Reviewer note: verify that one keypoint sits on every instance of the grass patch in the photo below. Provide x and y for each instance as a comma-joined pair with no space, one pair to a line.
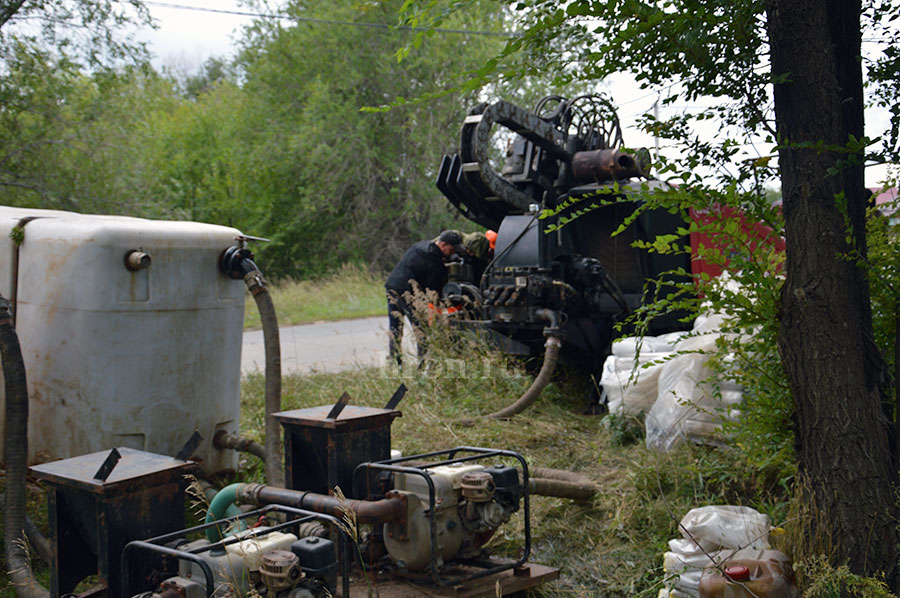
352,292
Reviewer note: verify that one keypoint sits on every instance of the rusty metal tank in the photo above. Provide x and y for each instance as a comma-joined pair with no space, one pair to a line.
130,334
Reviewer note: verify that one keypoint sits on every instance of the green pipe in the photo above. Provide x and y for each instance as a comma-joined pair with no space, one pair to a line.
223,506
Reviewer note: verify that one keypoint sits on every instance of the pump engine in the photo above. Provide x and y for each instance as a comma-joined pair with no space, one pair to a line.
266,563
470,502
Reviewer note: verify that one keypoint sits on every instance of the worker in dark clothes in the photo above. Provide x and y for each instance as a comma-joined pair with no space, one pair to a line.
420,269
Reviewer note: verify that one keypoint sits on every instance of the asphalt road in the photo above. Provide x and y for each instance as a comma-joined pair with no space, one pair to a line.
322,347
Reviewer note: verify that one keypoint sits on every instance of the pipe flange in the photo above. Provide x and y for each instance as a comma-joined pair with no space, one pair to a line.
249,493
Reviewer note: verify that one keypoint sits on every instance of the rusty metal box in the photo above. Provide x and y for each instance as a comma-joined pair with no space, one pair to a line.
91,520
321,453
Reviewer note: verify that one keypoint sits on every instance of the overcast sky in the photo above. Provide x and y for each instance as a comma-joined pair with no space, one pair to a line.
186,38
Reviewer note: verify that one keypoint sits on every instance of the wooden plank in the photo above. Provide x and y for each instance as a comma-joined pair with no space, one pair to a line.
511,581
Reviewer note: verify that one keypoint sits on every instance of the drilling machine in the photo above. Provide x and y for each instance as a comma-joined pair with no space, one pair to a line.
561,266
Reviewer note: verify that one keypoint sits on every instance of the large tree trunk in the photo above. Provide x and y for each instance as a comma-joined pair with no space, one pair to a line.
826,328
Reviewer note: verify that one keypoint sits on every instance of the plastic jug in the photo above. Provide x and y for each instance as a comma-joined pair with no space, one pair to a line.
750,574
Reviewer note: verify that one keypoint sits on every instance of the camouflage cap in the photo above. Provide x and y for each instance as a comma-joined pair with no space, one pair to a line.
477,244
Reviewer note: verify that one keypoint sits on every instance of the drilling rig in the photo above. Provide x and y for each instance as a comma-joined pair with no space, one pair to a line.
561,266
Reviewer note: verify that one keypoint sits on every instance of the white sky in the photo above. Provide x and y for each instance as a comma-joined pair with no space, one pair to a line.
186,38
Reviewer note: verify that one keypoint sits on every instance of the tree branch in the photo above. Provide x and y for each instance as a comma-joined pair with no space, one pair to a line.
9,9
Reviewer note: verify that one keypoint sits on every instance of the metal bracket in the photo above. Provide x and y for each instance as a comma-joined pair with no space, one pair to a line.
339,406
190,446
396,398
108,465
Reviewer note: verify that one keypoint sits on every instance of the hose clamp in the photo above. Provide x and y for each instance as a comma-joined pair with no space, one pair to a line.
255,282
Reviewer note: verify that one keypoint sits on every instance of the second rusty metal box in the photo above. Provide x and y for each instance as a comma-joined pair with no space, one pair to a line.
321,452
92,519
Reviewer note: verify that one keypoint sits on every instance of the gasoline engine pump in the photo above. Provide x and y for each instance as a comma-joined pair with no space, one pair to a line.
427,521
469,503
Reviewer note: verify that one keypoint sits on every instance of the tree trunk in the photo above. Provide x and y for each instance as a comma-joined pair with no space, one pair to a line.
825,338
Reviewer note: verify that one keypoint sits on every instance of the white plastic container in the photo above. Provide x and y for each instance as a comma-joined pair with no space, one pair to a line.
252,550
118,357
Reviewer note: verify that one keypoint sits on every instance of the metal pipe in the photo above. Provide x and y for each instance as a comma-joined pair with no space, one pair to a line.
137,260
374,511
224,440
599,165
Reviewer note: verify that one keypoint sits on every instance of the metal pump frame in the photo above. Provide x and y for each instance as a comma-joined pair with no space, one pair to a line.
479,454
157,544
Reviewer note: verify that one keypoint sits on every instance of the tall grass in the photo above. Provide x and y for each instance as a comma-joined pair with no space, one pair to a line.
351,292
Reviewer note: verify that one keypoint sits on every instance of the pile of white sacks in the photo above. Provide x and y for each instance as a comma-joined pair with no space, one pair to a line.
668,378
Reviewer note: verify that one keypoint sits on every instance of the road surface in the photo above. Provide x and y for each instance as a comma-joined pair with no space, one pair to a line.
322,347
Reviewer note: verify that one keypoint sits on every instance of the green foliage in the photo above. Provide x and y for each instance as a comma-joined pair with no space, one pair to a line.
17,234
274,144
48,106
74,141
88,32
750,298
277,145
625,429
826,581
883,266
884,71
704,47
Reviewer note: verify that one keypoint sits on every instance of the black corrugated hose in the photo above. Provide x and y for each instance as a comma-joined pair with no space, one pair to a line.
257,286
551,355
37,540
16,447
237,262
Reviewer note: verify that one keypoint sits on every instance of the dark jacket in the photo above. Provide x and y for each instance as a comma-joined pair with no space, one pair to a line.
424,263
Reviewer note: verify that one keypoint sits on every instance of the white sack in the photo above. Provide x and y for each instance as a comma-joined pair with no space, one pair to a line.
631,395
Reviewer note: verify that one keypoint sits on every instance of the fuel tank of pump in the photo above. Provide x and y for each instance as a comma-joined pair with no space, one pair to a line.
130,334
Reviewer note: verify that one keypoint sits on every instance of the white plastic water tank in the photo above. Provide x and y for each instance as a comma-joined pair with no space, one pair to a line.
120,357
